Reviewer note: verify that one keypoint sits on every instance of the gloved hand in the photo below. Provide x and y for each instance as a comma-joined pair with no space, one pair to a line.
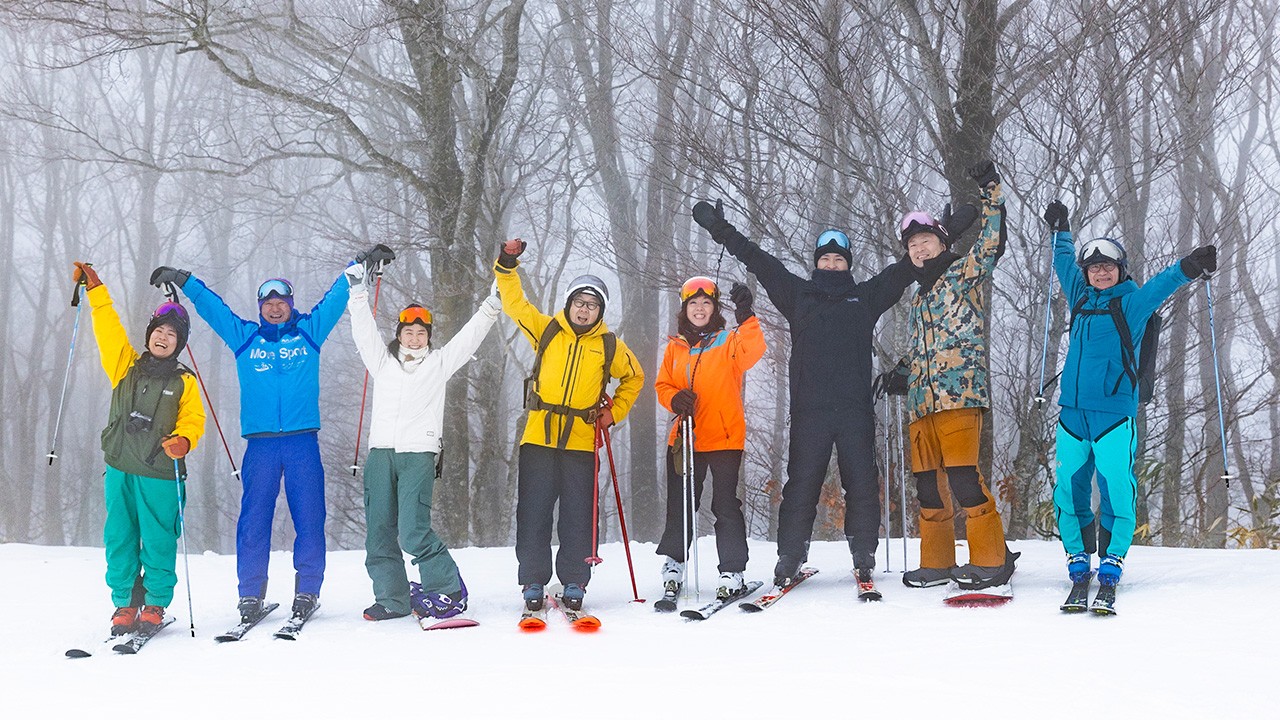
511,251
604,419
891,382
176,446
707,215
1202,262
376,257
1055,213
742,298
165,274
355,273
682,402
493,300
84,273
984,173
959,221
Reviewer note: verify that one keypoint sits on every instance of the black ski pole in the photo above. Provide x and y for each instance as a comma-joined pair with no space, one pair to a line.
66,377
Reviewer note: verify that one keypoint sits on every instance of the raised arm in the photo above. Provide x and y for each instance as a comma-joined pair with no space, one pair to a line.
528,318
364,327
114,350
782,285
459,349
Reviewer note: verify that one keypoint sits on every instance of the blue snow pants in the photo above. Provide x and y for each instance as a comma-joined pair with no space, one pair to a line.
266,460
1092,442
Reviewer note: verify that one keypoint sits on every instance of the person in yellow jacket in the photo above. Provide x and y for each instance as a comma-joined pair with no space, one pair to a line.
701,376
156,418
575,357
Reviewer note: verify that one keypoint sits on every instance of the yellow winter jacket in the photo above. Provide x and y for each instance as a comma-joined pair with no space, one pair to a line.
572,370
118,357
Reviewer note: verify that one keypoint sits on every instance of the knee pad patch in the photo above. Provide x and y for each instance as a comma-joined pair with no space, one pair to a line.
927,490
966,486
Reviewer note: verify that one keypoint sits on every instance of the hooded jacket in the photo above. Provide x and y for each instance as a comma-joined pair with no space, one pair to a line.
572,369
408,395
721,360
1093,375
172,401
278,365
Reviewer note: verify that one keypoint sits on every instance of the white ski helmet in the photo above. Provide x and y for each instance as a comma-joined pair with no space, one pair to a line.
587,283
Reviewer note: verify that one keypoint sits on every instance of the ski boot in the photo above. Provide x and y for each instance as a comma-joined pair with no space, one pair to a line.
304,604
573,596
151,618
535,597
124,621
731,584
250,608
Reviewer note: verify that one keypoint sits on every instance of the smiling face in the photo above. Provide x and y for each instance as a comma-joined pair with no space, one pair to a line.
584,309
162,342
275,311
1103,275
833,261
699,310
924,246
414,337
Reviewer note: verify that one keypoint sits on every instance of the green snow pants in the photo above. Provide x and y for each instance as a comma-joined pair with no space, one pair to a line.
141,535
397,511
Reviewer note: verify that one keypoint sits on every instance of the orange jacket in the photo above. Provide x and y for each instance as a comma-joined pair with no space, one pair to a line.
718,422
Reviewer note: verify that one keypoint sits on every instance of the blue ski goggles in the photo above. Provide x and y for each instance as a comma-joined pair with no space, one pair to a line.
275,287
833,236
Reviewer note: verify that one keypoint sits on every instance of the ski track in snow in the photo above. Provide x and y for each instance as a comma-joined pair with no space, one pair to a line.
1196,636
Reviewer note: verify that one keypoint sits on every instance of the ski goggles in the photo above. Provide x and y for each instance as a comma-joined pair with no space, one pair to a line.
920,221
699,284
833,236
275,287
415,314
171,308
1101,250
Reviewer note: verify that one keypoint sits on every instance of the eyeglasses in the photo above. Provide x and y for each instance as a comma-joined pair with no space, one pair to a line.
171,307
277,287
833,236
699,284
585,304
415,313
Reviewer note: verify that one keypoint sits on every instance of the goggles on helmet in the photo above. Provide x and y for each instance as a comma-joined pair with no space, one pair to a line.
275,287
833,236
415,314
919,221
1101,250
171,307
699,284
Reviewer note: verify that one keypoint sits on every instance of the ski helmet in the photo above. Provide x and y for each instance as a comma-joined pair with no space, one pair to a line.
175,316
587,284
833,241
1103,250
699,285
918,221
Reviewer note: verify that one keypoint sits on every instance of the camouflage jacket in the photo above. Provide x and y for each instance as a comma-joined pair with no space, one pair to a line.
948,355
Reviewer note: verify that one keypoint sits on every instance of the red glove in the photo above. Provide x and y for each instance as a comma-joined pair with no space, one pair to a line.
511,250
176,446
604,419
84,273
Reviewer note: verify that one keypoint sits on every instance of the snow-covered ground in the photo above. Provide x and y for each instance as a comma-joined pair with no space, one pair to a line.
1196,637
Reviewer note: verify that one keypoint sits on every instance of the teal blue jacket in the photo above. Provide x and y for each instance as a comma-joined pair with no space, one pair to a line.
1093,376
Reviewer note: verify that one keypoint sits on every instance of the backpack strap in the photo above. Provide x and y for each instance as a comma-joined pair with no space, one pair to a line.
534,401
1128,354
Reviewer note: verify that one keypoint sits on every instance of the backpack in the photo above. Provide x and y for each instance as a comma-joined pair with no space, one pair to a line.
532,401
1141,370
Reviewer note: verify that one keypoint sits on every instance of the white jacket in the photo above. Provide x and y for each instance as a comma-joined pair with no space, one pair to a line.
408,396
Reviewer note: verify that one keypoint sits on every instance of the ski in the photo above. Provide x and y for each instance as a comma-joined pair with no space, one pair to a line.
1104,603
986,597
534,619
670,593
430,623
579,620
719,604
141,638
294,626
1078,599
867,591
109,642
777,592
237,632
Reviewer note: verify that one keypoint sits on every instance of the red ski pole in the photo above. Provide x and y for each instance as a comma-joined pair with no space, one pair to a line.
171,292
595,558
355,463
622,520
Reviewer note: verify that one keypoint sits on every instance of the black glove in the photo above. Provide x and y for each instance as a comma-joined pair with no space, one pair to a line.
511,250
376,256
1201,262
742,298
165,274
682,402
1055,213
712,219
984,173
960,220
891,382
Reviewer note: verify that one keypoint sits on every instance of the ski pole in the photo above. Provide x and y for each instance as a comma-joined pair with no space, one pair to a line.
622,520
888,468
594,558
906,466
1217,382
182,532
355,463
1048,307
66,377
171,292
692,507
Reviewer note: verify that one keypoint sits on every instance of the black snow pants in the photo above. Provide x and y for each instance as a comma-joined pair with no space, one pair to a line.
730,526
548,475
